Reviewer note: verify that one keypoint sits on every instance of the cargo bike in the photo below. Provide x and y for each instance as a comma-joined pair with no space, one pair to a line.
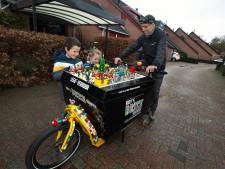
97,109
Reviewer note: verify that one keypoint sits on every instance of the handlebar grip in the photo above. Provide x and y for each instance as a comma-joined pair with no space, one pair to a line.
161,72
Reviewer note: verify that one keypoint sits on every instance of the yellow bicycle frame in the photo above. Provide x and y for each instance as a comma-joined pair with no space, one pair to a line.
75,114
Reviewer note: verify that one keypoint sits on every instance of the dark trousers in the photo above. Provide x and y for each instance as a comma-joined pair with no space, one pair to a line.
61,95
152,96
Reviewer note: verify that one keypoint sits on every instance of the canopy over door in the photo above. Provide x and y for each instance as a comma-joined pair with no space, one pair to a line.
78,12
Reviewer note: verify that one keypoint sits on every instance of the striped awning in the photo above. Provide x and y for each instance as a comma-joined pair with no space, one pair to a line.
78,12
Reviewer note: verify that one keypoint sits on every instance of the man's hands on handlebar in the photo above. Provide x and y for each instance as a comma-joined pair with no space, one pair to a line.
150,68
117,60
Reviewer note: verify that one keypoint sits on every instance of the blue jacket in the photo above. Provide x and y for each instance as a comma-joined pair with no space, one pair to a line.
61,63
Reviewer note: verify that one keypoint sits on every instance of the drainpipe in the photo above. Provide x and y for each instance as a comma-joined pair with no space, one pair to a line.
106,40
34,16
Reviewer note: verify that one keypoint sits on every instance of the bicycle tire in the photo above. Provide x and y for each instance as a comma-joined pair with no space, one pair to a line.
31,155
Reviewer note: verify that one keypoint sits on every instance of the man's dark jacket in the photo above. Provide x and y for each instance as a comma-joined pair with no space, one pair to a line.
154,48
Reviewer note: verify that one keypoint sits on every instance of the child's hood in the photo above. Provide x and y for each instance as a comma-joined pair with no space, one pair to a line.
60,55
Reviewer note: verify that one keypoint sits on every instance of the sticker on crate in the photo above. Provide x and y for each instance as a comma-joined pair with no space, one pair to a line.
133,107
80,97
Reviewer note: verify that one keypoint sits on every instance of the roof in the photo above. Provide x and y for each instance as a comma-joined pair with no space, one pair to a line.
135,15
117,29
171,44
194,41
203,41
130,12
166,26
78,12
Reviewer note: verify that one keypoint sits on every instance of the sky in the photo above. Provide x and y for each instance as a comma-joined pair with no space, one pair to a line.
205,17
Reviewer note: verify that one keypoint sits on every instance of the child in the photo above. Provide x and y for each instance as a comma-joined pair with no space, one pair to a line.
67,58
94,56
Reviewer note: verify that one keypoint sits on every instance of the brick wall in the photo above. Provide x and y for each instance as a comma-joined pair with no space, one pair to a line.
169,52
89,33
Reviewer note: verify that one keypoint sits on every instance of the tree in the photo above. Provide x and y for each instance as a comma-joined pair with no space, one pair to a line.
218,43
101,68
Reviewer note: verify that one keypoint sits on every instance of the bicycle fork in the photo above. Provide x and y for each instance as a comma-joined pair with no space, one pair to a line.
70,132
76,114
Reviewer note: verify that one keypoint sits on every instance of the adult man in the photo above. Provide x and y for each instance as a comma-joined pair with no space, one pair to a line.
153,42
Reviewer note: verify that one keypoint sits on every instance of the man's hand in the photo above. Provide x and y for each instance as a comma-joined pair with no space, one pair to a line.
151,68
117,60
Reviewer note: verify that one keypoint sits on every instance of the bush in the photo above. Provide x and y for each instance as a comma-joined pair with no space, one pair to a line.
190,60
184,57
26,57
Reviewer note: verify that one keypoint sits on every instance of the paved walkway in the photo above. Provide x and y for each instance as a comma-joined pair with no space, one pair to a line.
188,133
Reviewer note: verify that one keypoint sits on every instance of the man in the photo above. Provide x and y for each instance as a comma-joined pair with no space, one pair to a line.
153,42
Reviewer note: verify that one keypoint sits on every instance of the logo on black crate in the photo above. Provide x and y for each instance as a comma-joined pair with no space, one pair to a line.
133,107
79,83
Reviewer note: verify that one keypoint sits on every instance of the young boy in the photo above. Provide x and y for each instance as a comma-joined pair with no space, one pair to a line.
67,58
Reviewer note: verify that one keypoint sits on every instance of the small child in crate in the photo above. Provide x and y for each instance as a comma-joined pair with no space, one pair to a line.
66,59
94,56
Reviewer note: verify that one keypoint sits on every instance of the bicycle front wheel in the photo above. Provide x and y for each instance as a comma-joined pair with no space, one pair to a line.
45,152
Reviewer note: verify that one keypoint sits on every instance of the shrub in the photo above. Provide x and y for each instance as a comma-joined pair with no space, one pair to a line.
184,57
27,57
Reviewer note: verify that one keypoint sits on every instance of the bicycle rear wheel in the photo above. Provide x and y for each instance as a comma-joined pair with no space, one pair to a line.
45,153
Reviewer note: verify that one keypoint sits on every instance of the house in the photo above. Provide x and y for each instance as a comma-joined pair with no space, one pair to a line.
64,17
87,30
203,54
180,43
52,20
204,45
130,30
131,17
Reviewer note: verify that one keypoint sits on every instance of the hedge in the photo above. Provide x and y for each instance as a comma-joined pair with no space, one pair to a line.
185,58
26,57
190,60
